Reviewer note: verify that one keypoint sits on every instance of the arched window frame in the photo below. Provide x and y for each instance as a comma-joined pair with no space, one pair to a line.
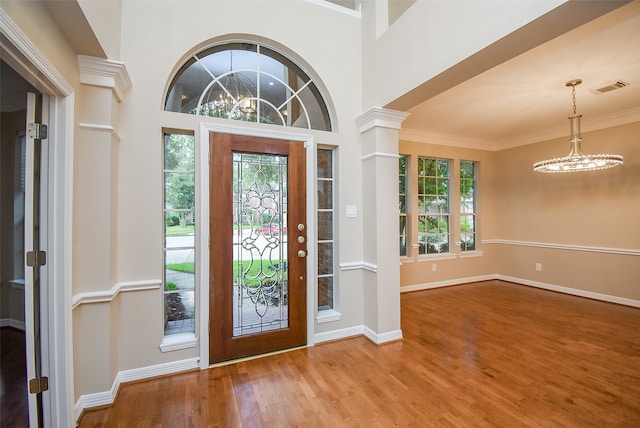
316,105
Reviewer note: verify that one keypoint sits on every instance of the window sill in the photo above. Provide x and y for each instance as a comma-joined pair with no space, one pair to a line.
441,256
469,254
176,342
328,315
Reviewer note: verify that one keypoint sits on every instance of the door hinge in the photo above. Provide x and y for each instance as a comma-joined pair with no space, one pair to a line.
37,131
38,385
36,258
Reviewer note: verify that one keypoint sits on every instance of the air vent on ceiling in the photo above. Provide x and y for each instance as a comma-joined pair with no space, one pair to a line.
612,86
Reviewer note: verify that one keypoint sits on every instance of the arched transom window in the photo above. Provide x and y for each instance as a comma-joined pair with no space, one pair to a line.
249,82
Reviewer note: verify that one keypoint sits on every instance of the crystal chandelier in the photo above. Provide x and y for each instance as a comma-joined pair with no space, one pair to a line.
576,161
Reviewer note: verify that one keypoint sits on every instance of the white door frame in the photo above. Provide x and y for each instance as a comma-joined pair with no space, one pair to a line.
202,223
24,57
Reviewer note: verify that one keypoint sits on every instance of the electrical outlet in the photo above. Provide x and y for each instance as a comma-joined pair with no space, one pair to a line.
539,267
434,267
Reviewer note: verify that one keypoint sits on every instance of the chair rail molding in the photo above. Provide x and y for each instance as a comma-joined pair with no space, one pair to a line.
109,295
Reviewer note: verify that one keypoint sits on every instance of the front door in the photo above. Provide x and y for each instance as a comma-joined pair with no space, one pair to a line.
257,246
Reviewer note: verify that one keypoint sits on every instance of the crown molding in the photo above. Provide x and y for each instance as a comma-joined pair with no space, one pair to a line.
588,125
105,73
418,136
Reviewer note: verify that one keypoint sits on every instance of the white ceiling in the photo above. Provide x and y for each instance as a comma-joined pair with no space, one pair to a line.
525,100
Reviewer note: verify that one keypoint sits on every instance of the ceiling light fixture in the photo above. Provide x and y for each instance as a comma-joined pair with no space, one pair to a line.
233,97
576,161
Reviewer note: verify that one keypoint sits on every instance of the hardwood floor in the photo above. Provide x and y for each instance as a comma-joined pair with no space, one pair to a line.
489,354
14,411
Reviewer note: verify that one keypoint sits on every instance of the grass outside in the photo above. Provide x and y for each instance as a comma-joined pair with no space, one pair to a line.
186,267
189,267
190,228
180,230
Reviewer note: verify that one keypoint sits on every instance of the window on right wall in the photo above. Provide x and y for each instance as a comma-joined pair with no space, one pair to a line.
468,205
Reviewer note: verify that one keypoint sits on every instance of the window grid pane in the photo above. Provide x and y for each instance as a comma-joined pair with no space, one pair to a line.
433,205
467,206
248,82
179,234
326,243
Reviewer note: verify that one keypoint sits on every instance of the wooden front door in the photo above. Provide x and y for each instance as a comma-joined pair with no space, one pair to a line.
257,296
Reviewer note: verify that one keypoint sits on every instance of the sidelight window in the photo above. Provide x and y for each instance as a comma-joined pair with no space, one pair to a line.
179,233
326,239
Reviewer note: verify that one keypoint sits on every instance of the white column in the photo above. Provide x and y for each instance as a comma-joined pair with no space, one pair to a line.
103,83
380,128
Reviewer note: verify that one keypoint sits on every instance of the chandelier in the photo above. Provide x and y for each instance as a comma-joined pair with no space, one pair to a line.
576,160
233,97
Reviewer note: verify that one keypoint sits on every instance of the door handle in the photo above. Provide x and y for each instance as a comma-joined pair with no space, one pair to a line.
302,253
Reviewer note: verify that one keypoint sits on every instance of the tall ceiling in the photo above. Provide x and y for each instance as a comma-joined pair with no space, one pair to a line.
525,100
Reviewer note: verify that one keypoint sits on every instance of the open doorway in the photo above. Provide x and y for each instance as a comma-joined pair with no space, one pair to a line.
13,155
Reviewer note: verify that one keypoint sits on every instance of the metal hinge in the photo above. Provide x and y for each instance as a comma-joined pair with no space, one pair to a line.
38,385
37,131
36,258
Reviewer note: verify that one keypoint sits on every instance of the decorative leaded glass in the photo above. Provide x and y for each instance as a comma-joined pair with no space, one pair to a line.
259,243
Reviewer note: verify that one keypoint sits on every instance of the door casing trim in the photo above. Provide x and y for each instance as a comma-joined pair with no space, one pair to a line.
25,57
202,223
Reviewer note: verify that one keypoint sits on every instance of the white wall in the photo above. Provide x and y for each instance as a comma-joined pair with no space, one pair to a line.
433,36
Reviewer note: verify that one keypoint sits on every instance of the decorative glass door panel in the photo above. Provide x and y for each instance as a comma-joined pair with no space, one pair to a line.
257,262
259,243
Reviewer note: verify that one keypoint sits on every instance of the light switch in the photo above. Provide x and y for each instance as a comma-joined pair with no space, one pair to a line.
352,211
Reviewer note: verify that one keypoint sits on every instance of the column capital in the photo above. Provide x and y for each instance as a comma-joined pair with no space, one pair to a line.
104,73
380,117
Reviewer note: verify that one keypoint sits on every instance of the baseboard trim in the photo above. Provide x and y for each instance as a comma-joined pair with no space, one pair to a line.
447,283
106,398
573,291
551,287
339,334
10,322
381,338
359,330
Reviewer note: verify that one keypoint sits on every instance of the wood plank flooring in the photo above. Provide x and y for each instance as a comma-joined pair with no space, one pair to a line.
489,354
